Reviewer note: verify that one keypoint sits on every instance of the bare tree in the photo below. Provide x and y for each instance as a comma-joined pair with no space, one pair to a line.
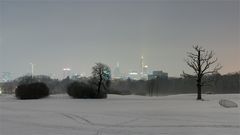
203,63
102,74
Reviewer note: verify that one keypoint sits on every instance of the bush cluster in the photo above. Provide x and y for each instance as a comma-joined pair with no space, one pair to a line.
32,91
83,90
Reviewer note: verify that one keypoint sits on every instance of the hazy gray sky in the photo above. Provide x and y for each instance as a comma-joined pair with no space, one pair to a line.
54,34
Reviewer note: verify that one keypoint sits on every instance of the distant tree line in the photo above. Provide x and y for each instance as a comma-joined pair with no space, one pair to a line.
216,83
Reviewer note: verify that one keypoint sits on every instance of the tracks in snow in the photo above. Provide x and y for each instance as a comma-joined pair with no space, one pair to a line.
126,124
83,120
77,118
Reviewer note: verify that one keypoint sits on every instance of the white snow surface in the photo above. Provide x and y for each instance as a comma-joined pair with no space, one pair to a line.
120,115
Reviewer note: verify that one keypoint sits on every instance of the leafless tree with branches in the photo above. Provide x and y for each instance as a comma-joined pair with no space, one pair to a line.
203,63
102,74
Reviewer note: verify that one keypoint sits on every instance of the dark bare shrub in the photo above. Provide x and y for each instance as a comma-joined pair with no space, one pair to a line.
35,90
83,90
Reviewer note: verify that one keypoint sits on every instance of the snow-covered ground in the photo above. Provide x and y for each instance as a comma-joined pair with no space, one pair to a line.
119,115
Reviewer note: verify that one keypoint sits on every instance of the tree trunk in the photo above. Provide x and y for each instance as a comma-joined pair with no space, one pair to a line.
99,86
199,90
199,77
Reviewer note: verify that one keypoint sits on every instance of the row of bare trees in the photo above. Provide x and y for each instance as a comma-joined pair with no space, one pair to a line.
217,84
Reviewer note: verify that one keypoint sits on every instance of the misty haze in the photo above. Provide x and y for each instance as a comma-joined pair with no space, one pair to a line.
119,67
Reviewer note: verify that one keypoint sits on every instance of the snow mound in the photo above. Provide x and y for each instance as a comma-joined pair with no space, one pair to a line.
228,103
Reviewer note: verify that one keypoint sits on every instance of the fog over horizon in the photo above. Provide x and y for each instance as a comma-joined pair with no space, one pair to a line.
55,34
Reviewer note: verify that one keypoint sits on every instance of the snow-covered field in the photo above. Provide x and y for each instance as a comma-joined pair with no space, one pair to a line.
119,115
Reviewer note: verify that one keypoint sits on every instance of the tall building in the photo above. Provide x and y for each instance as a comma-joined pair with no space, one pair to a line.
66,72
141,65
116,72
143,69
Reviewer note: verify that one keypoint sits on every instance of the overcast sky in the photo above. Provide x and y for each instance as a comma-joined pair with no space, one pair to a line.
54,34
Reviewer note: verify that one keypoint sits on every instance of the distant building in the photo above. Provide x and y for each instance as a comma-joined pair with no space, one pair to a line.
116,72
145,69
158,74
143,74
5,77
133,75
66,73
141,65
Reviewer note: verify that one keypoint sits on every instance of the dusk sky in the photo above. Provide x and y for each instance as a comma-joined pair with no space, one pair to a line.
54,34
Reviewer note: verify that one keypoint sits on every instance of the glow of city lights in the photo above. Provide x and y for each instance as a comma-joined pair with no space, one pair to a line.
66,69
133,73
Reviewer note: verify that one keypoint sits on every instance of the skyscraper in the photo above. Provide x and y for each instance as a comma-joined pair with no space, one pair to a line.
66,72
141,66
116,72
143,69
